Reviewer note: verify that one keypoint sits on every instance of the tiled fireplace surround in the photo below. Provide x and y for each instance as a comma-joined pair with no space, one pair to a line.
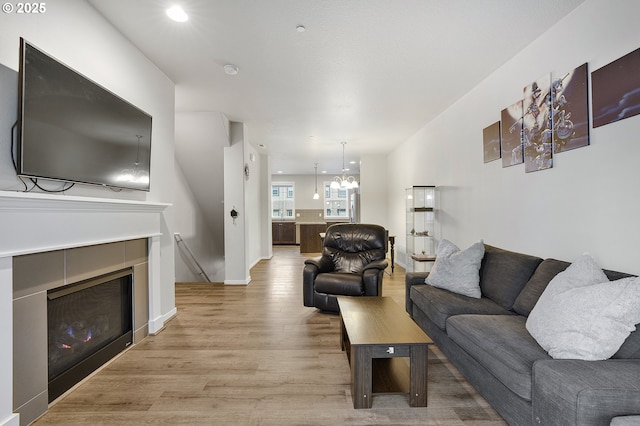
50,241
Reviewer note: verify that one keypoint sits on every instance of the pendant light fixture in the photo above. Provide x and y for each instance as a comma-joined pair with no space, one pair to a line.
135,174
344,182
316,196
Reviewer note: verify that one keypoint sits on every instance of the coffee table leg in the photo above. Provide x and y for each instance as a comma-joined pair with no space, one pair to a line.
418,374
361,376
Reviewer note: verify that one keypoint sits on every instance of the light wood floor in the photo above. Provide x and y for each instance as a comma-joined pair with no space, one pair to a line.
254,355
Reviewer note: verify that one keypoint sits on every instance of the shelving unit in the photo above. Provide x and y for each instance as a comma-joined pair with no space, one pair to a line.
421,227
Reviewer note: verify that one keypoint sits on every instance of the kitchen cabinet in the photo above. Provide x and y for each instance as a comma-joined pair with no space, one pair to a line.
283,232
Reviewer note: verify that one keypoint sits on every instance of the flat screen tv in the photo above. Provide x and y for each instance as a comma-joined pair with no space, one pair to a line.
73,130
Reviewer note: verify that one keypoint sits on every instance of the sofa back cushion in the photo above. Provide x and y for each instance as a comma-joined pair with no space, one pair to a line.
631,347
504,273
544,273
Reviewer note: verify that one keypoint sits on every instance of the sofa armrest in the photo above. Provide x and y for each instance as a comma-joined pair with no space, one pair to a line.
575,392
411,279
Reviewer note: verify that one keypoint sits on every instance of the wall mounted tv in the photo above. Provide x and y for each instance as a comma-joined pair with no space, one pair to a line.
74,130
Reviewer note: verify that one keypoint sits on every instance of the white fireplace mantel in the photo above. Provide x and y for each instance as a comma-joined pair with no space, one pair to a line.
34,223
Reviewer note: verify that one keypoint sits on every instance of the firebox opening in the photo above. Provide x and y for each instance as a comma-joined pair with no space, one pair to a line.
88,323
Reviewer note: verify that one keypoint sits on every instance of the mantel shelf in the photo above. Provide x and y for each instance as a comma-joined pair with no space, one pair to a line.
55,202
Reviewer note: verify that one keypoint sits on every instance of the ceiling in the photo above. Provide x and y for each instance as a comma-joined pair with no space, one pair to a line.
368,72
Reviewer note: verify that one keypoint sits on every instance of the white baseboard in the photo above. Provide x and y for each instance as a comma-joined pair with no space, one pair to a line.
12,420
157,324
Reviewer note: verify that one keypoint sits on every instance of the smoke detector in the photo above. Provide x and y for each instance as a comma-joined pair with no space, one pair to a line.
231,69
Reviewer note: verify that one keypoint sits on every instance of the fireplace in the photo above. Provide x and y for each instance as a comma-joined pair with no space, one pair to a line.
88,323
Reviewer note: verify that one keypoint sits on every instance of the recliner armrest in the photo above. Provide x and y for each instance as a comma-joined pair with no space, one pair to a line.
377,264
323,263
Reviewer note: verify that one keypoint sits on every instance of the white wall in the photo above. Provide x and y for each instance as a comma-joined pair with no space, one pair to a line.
304,187
76,34
201,137
256,214
374,190
193,226
265,205
587,202
235,232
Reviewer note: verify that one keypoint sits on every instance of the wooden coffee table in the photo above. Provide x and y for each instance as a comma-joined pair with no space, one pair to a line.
375,330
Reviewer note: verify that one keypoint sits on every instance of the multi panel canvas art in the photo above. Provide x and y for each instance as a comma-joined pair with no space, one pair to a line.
537,131
616,90
569,94
511,135
491,142
552,117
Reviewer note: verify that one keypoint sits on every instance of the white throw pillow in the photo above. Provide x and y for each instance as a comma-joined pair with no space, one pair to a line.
457,270
582,315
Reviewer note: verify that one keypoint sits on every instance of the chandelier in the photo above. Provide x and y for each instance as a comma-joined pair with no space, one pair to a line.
345,182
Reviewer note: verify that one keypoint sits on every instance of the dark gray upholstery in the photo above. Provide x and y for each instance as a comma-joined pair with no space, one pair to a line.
515,410
504,273
626,421
352,264
411,279
585,393
502,345
528,297
506,365
440,304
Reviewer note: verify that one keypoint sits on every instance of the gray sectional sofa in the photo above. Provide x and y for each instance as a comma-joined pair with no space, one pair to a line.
487,341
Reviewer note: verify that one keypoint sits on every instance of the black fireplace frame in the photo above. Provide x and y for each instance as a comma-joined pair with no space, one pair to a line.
69,378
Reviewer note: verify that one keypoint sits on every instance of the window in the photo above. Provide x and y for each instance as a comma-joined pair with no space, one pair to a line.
336,202
282,201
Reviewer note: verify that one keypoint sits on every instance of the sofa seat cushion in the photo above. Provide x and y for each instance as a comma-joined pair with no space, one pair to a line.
339,283
439,304
502,345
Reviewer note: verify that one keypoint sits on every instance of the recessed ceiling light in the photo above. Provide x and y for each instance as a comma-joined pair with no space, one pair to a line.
301,28
231,69
177,14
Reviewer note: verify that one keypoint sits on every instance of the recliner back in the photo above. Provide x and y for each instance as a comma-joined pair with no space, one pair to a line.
352,246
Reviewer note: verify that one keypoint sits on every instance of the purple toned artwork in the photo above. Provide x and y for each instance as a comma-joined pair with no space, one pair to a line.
570,110
537,134
511,135
491,142
616,90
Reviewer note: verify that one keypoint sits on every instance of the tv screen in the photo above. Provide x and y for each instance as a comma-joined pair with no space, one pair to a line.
72,129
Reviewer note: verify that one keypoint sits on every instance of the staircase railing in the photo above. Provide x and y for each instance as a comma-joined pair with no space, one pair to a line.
180,241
